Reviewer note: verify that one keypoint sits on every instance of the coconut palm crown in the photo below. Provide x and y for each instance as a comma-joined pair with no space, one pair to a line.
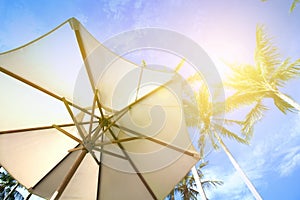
264,79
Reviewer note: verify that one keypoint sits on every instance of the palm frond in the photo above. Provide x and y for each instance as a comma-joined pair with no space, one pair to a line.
211,183
204,100
218,109
266,54
293,6
202,144
243,98
227,133
255,114
285,72
281,104
230,121
194,78
244,73
192,113
212,140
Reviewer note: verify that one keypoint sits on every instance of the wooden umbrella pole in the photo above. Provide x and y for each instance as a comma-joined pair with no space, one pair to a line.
69,176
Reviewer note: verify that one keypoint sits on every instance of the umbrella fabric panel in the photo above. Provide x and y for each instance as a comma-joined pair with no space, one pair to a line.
84,183
155,117
153,166
164,180
105,68
38,152
150,155
117,84
116,78
149,141
121,90
51,181
24,107
121,185
164,145
48,62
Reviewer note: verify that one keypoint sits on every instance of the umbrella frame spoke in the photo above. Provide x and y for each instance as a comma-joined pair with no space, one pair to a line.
117,141
57,194
76,149
73,118
110,124
126,108
109,153
41,128
139,81
91,120
133,165
170,146
27,82
67,133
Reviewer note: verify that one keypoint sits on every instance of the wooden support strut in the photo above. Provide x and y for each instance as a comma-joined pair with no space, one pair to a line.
73,118
170,146
67,134
27,82
41,128
134,166
57,194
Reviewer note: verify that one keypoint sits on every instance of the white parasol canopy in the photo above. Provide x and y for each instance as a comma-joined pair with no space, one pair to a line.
79,122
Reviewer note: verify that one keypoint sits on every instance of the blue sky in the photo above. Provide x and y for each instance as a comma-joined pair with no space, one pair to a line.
226,30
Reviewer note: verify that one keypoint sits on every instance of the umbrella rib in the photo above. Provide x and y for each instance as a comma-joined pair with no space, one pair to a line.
41,128
126,108
73,118
99,180
139,82
91,120
99,104
99,171
69,176
84,56
60,162
109,126
82,148
118,141
109,153
170,146
27,82
76,149
133,166
67,133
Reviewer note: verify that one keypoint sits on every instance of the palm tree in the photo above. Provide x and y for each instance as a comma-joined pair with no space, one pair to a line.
8,186
253,83
212,127
186,187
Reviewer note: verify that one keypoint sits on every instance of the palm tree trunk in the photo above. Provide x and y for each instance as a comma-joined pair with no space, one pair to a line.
239,170
288,100
198,184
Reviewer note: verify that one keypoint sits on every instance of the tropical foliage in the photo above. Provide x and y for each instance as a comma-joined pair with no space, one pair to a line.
7,187
185,189
213,128
264,79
